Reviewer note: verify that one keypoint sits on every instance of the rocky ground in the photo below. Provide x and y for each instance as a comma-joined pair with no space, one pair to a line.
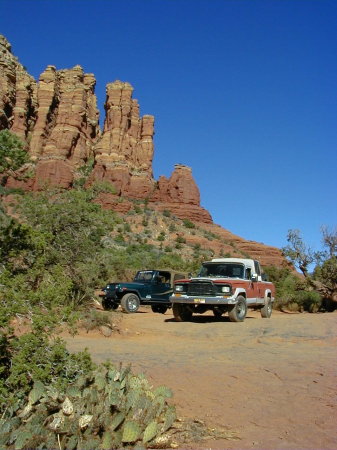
271,382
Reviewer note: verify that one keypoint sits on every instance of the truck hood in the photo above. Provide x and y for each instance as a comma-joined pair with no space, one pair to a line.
216,279
112,286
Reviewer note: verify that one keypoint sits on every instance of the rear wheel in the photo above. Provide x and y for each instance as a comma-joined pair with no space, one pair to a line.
267,309
130,303
159,309
181,313
239,311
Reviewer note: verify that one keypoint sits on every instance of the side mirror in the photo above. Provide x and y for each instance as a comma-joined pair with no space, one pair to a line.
255,277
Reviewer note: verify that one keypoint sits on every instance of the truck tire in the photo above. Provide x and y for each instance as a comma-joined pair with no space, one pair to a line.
217,313
159,309
109,305
239,311
267,309
181,313
130,303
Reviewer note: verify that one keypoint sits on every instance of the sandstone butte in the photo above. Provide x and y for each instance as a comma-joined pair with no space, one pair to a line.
58,119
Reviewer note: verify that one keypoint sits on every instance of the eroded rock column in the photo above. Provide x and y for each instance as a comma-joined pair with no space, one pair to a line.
124,153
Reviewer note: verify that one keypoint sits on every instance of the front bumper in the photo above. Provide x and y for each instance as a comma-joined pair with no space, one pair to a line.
109,296
200,300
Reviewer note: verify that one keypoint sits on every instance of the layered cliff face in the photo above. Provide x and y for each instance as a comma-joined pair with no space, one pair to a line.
17,92
124,152
58,119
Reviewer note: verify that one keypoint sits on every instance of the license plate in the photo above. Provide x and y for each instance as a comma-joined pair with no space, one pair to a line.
199,300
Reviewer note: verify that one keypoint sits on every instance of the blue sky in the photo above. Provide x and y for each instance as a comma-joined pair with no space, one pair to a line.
243,91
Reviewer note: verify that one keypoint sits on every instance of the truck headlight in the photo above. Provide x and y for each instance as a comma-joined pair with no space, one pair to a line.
226,289
179,288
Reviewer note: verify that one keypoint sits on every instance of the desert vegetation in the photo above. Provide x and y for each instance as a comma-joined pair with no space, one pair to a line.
56,248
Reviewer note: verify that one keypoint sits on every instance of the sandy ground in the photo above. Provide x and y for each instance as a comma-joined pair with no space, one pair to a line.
272,381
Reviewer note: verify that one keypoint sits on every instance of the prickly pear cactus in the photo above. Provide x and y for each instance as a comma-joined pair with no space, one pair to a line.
108,409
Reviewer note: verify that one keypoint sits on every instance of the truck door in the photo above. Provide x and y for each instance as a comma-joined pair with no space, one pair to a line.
251,288
259,290
161,287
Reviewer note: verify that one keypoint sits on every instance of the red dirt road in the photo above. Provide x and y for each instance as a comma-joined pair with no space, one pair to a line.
272,381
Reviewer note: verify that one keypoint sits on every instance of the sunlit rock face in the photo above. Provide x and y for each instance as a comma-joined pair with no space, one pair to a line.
124,152
58,119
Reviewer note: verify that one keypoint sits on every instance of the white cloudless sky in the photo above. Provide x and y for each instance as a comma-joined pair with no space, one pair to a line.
243,91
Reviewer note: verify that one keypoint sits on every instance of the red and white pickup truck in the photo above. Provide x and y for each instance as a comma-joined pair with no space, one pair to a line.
224,285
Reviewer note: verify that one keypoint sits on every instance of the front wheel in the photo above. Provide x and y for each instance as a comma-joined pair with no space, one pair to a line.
181,313
239,311
267,309
130,303
109,304
159,309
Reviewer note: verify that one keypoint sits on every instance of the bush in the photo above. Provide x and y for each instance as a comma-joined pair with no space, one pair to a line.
35,357
291,292
188,224
56,257
12,154
92,319
161,236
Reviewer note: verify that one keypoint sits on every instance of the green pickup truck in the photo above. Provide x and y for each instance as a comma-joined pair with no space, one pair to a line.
149,287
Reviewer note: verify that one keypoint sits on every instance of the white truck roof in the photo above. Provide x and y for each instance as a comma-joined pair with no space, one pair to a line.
246,261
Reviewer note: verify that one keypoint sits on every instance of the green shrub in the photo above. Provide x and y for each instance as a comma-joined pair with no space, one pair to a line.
92,319
291,291
35,357
56,256
161,236
188,224
12,155
106,187
127,227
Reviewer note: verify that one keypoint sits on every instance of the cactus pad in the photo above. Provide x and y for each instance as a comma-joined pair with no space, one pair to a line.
131,432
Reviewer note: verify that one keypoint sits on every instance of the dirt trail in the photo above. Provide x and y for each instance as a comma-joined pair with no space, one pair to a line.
273,381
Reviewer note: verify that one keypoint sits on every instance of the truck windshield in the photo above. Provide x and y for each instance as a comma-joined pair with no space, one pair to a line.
145,275
222,270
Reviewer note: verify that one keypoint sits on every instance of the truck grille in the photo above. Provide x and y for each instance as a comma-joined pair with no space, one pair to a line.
205,288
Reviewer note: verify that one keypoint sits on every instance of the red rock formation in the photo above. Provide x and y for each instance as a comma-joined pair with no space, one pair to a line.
180,195
124,153
58,119
66,127
16,92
